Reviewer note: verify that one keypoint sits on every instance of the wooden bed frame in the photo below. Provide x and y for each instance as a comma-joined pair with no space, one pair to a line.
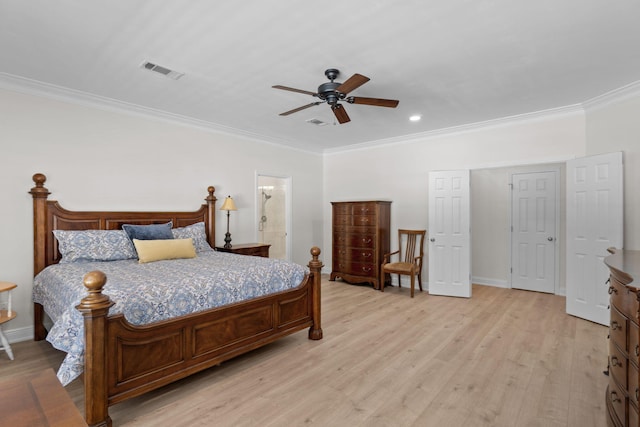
123,360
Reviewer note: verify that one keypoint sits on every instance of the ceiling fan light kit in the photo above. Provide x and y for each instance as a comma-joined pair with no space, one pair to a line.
333,92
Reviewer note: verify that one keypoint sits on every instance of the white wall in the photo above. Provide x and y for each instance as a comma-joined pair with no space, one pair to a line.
399,172
101,160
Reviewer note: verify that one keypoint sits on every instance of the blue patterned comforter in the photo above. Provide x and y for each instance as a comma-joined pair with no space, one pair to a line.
147,293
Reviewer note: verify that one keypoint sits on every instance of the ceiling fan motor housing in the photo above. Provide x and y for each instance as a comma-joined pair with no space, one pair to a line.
327,92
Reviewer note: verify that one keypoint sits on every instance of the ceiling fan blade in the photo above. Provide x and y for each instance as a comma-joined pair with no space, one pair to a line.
295,110
340,113
391,103
294,90
352,83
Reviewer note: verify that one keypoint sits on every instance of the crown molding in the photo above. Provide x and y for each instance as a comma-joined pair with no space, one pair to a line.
59,93
623,93
466,128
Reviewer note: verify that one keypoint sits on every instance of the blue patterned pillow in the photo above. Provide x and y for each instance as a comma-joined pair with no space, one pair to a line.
94,245
149,232
197,233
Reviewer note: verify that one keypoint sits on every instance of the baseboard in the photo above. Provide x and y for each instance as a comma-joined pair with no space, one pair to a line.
20,334
490,282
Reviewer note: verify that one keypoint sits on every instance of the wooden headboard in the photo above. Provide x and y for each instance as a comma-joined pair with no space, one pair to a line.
48,215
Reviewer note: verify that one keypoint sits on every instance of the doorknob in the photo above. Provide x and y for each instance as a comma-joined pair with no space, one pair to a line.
550,239
433,239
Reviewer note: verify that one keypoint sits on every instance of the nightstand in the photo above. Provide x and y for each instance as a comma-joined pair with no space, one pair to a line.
255,249
6,314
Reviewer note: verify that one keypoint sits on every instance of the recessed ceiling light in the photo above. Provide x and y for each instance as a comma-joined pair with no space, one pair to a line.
415,118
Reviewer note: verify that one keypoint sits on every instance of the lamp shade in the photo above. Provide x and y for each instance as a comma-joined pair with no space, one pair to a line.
228,205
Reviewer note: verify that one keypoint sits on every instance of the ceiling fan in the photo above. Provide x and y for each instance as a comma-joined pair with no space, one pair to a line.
332,92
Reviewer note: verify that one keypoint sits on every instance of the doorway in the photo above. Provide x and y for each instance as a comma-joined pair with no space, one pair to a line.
273,214
491,220
534,230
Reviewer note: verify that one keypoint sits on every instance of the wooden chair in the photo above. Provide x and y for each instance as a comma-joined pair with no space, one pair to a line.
6,314
410,254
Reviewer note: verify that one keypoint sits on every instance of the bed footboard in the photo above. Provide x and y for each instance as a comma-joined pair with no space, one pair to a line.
123,360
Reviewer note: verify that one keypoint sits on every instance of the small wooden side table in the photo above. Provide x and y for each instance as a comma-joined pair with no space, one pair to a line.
6,314
255,249
37,400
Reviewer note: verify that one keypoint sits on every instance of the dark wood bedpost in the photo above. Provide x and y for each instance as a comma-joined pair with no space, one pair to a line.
315,266
211,216
39,194
95,308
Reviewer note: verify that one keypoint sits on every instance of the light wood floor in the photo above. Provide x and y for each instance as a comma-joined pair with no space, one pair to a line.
502,358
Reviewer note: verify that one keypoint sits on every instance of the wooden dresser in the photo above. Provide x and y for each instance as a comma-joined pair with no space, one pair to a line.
623,392
360,240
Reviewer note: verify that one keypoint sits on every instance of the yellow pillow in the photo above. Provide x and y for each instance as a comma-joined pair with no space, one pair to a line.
156,250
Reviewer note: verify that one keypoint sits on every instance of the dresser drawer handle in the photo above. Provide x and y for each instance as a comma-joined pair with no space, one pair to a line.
615,325
615,361
612,290
366,240
367,254
366,269
614,397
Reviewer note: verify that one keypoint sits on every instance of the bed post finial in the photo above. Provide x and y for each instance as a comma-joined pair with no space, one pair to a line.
95,309
39,194
211,215
315,266
39,191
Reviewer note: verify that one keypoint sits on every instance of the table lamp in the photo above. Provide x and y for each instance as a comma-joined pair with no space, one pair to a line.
228,205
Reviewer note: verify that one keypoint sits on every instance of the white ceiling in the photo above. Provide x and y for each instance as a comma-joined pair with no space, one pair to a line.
454,62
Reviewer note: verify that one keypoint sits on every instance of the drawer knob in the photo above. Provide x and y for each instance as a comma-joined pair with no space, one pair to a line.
615,325
366,240
614,397
366,269
615,361
612,290
366,254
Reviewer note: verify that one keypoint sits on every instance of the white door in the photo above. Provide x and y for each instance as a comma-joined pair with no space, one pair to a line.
533,231
594,223
449,233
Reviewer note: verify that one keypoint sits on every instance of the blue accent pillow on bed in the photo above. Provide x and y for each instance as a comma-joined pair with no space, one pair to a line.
149,232
197,233
94,245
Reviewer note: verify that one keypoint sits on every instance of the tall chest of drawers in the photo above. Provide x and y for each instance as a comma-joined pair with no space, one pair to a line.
361,233
623,391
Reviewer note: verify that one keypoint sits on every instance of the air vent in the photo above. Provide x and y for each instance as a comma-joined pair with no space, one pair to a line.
317,122
162,70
